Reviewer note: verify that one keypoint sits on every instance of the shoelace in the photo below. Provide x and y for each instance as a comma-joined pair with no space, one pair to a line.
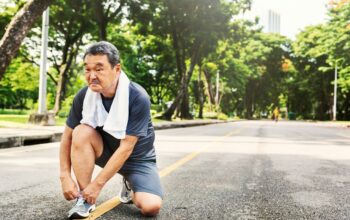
81,204
80,201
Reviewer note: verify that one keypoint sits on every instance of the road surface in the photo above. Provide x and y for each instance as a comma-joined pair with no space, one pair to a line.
239,170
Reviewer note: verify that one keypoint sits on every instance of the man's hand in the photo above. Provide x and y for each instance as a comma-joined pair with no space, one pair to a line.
69,188
91,192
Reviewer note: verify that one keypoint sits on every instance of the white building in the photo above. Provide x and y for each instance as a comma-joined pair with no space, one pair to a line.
270,20
273,22
291,16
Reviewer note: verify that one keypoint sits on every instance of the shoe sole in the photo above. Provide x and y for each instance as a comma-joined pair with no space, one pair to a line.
126,202
76,215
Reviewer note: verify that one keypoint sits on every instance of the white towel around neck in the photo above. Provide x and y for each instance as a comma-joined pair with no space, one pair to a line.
114,122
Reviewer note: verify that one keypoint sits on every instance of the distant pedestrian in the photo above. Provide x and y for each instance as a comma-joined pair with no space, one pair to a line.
276,114
109,124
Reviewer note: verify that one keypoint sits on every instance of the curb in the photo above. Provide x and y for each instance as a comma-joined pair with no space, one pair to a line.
30,136
19,140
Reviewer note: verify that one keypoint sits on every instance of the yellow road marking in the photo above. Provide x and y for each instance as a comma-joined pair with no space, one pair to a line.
104,207
177,164
114,202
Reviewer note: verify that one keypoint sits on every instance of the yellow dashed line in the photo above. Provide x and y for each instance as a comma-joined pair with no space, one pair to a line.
177,164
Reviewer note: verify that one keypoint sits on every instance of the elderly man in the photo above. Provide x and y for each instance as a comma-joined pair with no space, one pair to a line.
109,124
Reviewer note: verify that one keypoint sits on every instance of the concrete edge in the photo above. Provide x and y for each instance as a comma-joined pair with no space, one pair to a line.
30,139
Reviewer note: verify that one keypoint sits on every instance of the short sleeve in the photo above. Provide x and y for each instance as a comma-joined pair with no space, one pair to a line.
139,116
75,113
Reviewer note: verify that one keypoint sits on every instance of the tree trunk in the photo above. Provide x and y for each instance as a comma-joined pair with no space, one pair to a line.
194,60
60,88
210,91
185,102
18,29
200,93
100,19
249,100
63,78
170,111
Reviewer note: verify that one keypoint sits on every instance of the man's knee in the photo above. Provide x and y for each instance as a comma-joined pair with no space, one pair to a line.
149,204
81,134
150,209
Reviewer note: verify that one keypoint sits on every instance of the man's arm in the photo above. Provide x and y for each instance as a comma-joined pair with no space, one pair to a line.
66,141
117,160
113,165
69,187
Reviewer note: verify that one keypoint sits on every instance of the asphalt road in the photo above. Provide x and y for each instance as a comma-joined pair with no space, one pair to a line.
241,170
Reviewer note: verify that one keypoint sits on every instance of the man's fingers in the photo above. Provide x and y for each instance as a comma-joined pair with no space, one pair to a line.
91,201
69,196
75,194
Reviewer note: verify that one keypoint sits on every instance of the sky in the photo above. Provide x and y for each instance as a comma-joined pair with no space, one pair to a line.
295,14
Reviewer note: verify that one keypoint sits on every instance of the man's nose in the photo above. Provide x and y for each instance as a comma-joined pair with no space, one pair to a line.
92,74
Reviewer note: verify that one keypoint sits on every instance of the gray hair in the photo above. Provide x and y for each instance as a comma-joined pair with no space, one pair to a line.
104,48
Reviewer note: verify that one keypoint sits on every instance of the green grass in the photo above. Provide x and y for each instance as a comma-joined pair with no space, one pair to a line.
23,119
14,118
157,120
14,112
338,122
22,116
60,121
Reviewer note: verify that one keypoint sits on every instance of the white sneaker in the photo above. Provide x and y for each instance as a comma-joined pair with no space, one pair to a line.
81,209
125,193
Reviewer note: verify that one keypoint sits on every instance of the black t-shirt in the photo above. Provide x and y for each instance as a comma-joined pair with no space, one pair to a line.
139,122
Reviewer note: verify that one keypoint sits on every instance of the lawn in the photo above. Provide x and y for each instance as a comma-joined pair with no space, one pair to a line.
22,119
22,116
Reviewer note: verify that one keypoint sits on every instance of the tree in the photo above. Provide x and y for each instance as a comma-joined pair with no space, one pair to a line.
311,89
13,92
264,54
18,29
336,45
71,24
106,12
228,60
194,27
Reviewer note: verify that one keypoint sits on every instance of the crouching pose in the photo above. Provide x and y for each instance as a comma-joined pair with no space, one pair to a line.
109,124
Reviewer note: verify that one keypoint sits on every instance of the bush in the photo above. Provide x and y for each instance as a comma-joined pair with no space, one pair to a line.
215,115
222,116
210,115
291,116
153,113
14,112
66,105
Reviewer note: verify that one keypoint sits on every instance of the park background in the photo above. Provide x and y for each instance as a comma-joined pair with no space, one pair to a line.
195,58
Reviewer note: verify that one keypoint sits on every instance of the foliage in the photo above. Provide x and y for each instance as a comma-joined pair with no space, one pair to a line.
15,91
309,81
175,49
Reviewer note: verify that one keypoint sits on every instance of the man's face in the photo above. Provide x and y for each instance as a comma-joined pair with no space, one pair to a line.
99,74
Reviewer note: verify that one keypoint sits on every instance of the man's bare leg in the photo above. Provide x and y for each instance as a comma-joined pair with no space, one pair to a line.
87,145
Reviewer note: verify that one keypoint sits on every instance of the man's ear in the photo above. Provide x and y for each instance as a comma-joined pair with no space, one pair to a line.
117,68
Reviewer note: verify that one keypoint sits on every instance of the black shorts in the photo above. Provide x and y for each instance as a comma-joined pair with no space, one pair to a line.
142,175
